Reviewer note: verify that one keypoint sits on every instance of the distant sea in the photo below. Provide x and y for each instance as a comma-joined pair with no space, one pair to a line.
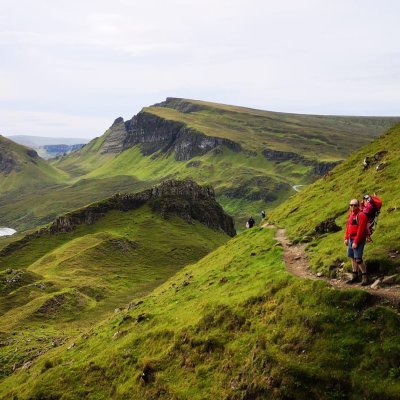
7,231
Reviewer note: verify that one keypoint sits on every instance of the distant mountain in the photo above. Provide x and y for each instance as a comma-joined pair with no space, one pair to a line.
49,147
40,141
252,158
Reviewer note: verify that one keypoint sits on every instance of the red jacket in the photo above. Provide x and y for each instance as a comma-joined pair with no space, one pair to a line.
356,227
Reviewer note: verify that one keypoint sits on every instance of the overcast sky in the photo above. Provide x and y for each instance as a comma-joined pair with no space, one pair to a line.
69,68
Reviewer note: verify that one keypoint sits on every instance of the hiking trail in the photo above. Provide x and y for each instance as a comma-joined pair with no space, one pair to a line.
296,261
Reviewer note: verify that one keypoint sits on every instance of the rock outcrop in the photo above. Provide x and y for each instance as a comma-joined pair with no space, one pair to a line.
319,167
184,198
154,134
8,162
181,105
115,137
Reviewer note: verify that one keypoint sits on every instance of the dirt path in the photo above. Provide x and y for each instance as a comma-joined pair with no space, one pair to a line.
296,262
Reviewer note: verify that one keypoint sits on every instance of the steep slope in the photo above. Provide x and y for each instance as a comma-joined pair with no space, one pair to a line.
233,326
328,198
21,169
72,273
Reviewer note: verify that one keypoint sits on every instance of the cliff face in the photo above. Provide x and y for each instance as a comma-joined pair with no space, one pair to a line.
115,137
319,167
185,198
153,134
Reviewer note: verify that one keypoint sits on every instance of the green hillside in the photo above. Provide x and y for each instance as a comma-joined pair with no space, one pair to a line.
329,198
316,136
252,158
234,325
246,181
22,170
64,278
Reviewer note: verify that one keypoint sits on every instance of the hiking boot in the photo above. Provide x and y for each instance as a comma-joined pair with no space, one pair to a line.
364,280
355,278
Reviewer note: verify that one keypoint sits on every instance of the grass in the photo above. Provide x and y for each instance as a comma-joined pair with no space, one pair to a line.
66,282
234,325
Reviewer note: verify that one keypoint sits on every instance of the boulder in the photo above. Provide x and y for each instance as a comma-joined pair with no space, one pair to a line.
327,226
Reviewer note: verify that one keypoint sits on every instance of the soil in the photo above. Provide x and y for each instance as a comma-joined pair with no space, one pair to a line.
296,261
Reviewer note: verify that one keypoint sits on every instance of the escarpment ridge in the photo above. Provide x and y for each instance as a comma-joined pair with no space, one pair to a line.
154,134
185,198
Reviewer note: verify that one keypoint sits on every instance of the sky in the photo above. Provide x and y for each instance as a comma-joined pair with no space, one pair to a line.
70,68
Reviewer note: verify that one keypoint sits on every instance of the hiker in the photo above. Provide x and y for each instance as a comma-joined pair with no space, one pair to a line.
250,222
263,214
355,239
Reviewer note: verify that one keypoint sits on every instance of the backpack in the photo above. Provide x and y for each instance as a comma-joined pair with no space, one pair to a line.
372,211
377,202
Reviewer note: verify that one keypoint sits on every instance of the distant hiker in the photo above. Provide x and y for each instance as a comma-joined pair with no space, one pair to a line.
263,214
371,206
355,239
250,222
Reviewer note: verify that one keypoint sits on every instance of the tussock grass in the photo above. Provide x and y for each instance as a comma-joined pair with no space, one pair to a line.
66,282
234,325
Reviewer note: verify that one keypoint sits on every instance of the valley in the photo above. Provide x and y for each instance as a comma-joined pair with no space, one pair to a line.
132,276
251,157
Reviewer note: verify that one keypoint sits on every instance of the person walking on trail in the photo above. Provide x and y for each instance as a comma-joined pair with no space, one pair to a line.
250,222
355,239
263,214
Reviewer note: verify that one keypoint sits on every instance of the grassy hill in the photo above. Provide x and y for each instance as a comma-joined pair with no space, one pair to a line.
22,170
329,198
316,136
254,160
62,279
234,325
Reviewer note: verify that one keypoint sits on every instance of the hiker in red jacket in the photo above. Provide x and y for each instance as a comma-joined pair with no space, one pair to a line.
355,238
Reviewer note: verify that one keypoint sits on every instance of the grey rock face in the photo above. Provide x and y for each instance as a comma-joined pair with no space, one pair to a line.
157,134
8,163
115,137
319,168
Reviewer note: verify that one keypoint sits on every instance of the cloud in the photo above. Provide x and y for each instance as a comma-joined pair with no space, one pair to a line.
93,60
50,124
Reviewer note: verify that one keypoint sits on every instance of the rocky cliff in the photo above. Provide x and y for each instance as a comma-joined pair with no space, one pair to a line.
115,137
319,167
154,134
184,198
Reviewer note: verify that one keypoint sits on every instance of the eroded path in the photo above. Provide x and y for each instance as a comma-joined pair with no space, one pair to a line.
296,261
